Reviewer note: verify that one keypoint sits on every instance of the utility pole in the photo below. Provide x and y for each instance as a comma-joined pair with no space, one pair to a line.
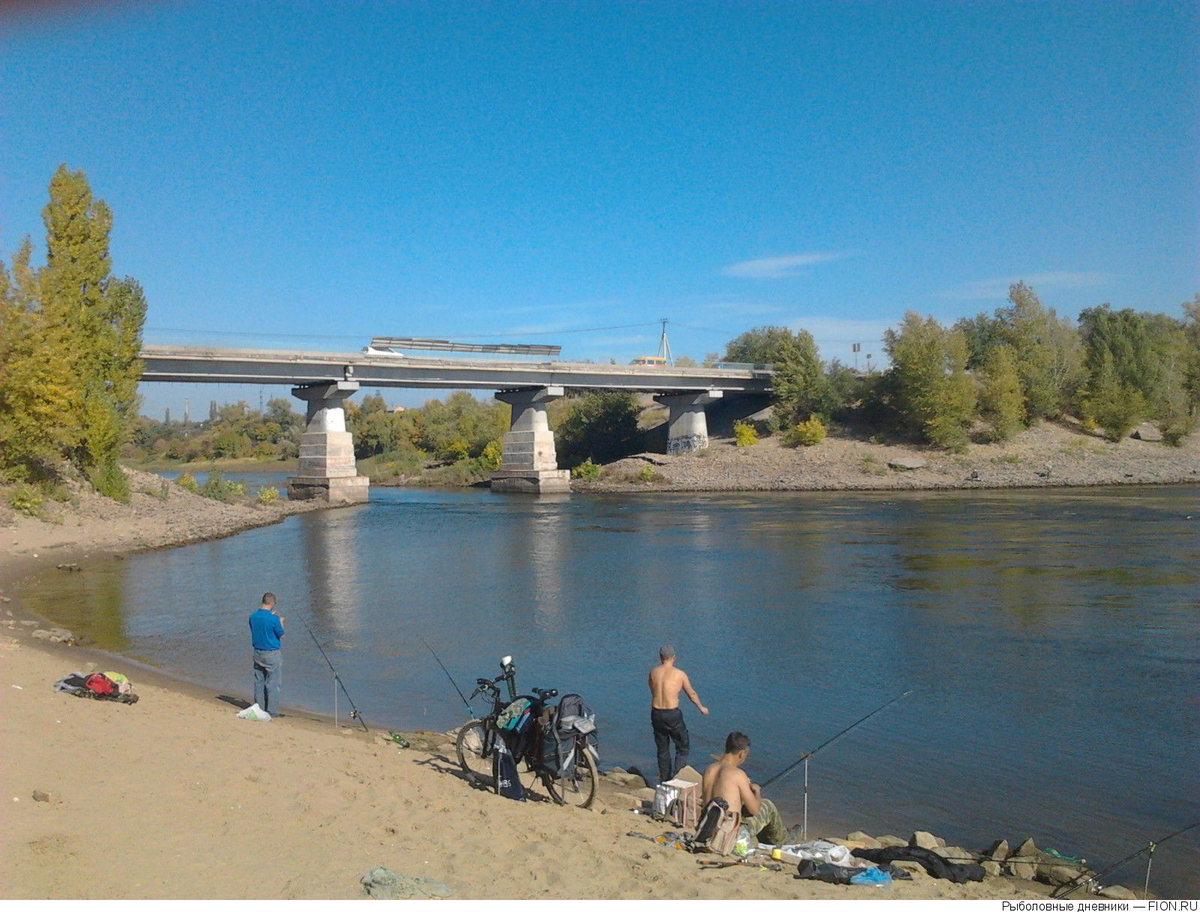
664,347
187,405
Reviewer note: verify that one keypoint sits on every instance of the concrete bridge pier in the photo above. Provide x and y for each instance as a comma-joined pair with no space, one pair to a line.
327,467
687,426
528,463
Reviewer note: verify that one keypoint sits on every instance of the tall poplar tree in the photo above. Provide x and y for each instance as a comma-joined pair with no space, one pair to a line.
71,335
100,317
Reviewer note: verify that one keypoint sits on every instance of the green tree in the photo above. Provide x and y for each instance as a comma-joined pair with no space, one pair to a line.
37,422
599,426
802,387
95,320
929,390
1046,348
1001,403
1110,403
1147,353
761,345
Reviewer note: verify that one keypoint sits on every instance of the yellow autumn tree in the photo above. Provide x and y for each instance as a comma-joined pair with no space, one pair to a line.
69,363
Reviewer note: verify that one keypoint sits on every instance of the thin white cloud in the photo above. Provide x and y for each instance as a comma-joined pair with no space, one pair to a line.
997,289
781,267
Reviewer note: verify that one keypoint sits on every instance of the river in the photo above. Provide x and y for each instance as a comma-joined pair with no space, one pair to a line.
1051,639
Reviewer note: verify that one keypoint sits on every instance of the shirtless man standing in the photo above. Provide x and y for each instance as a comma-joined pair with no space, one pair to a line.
666,718
725,779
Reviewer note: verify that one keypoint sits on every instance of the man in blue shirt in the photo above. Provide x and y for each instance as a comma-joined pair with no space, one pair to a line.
266,630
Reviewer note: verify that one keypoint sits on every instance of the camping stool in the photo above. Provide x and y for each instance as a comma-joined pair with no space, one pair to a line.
686,810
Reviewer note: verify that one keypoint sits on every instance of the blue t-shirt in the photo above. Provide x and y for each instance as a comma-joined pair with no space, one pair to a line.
265,630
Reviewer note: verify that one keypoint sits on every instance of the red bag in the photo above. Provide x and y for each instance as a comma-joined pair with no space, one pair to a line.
100,684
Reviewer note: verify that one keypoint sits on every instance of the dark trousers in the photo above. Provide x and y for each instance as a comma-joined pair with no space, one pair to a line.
669,726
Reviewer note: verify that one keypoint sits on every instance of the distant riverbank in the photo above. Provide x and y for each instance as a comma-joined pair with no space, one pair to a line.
1050,455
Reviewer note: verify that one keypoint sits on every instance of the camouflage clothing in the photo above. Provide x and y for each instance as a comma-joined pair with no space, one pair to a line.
766,826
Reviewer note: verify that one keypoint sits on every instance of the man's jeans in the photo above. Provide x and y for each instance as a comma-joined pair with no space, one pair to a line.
268,673
669,726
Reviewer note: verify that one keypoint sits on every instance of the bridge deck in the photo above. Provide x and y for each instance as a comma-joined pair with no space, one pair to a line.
181,364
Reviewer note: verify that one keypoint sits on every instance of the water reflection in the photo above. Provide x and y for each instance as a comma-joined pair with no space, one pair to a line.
330,554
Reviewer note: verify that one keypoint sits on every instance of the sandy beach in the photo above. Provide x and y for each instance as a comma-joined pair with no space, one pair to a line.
177,797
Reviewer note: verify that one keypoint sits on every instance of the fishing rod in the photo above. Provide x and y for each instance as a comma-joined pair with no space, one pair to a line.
466,702
337,678
804,758
1081,881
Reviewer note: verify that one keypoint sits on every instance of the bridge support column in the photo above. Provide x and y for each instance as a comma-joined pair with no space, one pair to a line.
528,464
687,427
327,467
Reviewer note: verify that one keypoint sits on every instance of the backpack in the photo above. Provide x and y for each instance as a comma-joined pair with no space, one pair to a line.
101,685
718,828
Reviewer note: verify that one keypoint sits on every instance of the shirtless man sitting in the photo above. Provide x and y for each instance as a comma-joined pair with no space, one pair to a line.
666,718
725,779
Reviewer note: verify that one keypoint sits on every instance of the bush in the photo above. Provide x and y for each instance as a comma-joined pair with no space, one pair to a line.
26,499
108,479
217,488
458,450
586,471
492,454
188,483
268,494
745,434
647,475
806,433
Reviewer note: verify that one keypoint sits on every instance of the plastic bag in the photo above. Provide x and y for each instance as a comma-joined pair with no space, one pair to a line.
872,877
745,843
255,713
665,797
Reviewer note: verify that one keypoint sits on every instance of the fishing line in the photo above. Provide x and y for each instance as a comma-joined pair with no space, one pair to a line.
810,754
354,713
787,769
466,702
1080,881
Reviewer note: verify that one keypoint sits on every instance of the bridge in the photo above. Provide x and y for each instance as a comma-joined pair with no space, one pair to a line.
529,464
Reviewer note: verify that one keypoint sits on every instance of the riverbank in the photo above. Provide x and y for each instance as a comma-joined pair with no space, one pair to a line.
192,802
329,804
1049,455
160,514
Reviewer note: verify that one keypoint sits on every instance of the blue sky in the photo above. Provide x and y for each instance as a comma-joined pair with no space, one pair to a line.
524,169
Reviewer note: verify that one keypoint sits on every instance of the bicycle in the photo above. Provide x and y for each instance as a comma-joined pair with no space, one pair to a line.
539,749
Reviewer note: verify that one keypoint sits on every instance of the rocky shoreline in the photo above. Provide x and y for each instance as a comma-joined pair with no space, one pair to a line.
1049,455
1026,862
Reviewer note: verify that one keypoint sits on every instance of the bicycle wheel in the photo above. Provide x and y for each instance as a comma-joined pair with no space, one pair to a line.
470,750
578,790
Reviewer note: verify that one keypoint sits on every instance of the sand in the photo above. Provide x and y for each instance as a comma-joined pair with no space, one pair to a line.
175,797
